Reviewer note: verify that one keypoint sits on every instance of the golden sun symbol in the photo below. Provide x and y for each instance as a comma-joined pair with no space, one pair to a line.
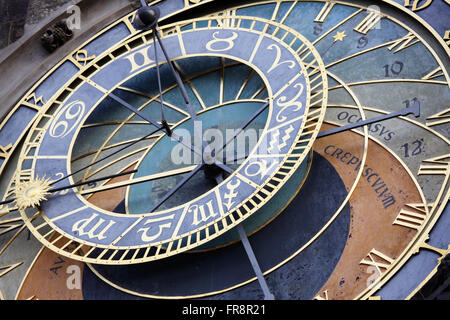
31,193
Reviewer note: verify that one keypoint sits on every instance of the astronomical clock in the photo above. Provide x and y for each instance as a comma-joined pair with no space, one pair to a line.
233,150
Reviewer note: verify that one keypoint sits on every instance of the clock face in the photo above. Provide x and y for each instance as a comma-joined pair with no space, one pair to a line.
285,149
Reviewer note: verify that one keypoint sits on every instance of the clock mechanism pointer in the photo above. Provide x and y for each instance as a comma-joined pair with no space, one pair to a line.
158,76
414,109
147,18
250,254
177,77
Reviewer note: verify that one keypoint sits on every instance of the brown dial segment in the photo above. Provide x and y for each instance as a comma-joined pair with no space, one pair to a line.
52,277
385,188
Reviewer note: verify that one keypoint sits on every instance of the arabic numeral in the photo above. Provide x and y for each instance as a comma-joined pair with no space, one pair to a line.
413,149
407,103
362,42
396,68
317,29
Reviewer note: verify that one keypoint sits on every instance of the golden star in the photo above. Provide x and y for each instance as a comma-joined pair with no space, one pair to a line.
339,36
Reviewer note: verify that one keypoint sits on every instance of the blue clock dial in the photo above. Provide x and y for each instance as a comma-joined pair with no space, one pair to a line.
284,140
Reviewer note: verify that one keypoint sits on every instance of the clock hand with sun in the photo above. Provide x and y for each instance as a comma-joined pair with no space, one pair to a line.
31,193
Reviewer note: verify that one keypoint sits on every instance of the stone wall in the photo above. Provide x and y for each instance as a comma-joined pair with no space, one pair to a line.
19,15
13,16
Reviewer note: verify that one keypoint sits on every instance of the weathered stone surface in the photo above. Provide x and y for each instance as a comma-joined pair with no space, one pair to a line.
12,20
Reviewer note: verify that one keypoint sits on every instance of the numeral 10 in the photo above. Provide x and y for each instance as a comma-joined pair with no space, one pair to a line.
396,68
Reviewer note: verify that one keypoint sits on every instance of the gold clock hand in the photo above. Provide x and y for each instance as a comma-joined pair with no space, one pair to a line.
148,18
147,178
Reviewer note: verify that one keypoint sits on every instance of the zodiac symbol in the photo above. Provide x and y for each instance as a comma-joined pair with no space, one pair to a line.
200,214
81,226
283,104
156,224
277,62
228,41
274,141
231,194
263,168
73,112
83,58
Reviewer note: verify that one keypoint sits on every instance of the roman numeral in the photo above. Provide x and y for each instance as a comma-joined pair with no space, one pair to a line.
435,166
411,219
442,117
9,225
8,269
442,252
227,18
25,175
377,259
404,42
4,151
369,22
128,21
323,14
34,102
415,4
434,74
36,140
447,37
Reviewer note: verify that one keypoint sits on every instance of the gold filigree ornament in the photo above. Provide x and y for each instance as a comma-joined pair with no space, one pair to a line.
31,193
